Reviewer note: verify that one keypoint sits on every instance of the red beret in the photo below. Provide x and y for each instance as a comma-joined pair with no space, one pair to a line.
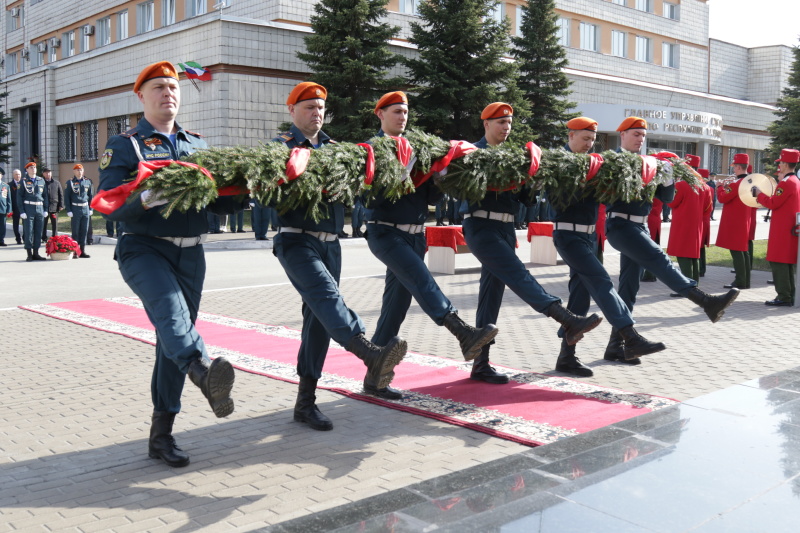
741,159
77,166
703,172
582,123
789,156
162,69
394,98
632,123
307,90
31,164
497,110
693,160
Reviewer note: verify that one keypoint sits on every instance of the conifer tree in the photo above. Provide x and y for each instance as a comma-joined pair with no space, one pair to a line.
540,58
348,54
5,120
785,130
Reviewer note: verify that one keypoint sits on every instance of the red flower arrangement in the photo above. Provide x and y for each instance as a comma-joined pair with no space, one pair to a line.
62,244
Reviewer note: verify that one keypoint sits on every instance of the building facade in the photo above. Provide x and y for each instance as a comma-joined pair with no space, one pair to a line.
68,67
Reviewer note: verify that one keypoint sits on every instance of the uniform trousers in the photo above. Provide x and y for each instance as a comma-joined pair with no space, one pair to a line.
53,219
259,216
314,268
588,277
15,224
80,225
742,267
637,252
494,244
32,227
406,276
690,267
168,280
784,276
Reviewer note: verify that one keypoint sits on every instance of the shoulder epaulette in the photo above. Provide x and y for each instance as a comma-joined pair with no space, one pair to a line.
193,133
130,133
285,136
331,141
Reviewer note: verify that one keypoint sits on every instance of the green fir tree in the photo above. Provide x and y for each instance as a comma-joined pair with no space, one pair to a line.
785,130
5,121
540,60
348,54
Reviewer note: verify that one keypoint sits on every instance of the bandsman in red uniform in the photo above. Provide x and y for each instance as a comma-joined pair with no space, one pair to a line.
734,225
710,196
782,244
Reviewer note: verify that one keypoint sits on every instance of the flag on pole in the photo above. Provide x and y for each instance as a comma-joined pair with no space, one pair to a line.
194,71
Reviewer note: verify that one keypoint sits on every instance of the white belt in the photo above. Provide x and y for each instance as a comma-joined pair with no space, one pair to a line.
324,236
633,218
491,215
33,203
408,228
181,242
580,228
81,205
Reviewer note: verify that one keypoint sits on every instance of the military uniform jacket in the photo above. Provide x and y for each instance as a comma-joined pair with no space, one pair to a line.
689,208
785,203
296,218
32,190
5,199
710,198
734,225
496,201
578,210
642,208
78,192
654,220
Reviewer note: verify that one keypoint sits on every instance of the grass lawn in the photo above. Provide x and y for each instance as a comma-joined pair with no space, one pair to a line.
722,257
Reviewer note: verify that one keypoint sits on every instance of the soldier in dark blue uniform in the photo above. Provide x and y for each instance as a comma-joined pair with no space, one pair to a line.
311,254
77,200
576,241
162,259
32,199
396,235
489,232
626,231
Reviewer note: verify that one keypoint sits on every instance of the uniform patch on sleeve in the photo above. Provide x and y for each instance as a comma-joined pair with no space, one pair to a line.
779,191
106,159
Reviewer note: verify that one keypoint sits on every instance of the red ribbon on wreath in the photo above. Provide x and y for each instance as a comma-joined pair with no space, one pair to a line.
369,173
404,150
458,149
595,162
649,168
296,164
536,157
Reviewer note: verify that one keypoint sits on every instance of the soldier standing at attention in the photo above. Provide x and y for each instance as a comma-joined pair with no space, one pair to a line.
734,225
77,199
32,200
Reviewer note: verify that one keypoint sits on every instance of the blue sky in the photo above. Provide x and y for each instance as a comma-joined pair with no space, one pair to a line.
755,22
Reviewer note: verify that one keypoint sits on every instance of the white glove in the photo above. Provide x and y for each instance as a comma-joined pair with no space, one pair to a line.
23,216
442,173
69,214
152,199
91,212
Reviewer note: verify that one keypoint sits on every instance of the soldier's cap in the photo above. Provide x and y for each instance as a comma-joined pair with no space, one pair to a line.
307,90
703,173
582,123
162,69
77,166
789,155
633,123
693,160
31,164
741,159
497,110
389,99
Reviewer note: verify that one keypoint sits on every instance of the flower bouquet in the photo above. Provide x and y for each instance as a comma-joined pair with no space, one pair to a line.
62,247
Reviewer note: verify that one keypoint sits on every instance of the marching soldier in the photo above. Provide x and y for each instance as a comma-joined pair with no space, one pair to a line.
734,225
32,199
77,200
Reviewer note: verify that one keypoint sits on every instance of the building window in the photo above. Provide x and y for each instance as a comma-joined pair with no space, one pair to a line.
589,36
15,18
619,43
620,2
89,141
498,12
37,53
53,50
672,11
409,6
644,5
644,49
670,54
715,159
145,17
122,25
85,42
195,7
758,162
66,143
11,64
562,32
68,42
117,125
518,22
167,12
103,31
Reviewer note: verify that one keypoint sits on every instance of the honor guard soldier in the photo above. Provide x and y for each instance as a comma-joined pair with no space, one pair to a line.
710,197
627,233
574,238
32,199
162,260
782,243
489,232
735,223
5,208
77,200
311,255
396,235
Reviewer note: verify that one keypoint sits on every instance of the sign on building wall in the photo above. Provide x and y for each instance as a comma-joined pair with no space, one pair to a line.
663,122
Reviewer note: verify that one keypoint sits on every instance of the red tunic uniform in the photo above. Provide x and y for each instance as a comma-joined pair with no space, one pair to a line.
708,200
734,226
654,220
688,210
782,245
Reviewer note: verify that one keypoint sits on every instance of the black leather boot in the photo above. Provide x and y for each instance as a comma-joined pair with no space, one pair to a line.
471,339
574,326
306,410
615,350
84,255
216,382
380,361
483,371
162,444
37,257
30,254
386,393
714,306
635,345
569,364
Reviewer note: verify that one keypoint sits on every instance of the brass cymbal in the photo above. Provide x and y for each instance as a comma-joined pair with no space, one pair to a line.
763,182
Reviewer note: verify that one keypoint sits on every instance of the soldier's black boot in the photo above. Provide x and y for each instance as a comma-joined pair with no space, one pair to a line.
30,254
483,371
380,361
574,326
84,255
635,345
162,444
615,350
471,339
386,393
569,364
37,257
714,306
306,410
215,381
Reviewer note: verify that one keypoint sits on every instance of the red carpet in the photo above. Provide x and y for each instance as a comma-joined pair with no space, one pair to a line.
533,409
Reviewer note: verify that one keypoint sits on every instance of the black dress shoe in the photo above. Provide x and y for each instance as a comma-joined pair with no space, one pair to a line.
676,295
770,282
732,286
3,244
386,393
778,303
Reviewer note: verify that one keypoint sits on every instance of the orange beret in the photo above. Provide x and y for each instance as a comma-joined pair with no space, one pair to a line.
693,160
307,90
77,166
394,98
497,110
582,123
162,69
31,164
631,123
